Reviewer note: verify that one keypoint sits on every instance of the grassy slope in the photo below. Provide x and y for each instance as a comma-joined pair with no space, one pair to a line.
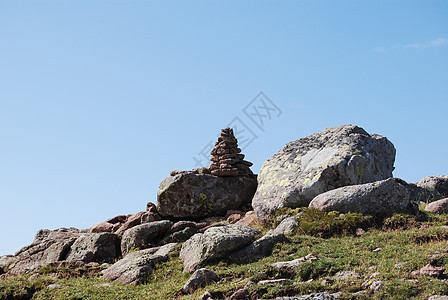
412,242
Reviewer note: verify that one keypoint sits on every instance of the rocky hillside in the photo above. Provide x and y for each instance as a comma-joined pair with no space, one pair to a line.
324,219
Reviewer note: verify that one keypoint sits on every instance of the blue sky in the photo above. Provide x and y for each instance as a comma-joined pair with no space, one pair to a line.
99,100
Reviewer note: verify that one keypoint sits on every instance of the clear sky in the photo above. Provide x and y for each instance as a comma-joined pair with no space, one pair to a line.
99,100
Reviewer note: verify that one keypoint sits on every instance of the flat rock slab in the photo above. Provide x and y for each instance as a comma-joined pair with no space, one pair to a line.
326,160
215,243
135,267
195,196
381,197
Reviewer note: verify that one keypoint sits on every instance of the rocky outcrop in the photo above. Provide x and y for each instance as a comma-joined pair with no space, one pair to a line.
135,267
199,279
438,207
437,183
143,235
94,247
195,196
215,243
305,168
376,198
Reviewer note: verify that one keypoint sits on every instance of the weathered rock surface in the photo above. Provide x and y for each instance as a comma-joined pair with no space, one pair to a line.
381,197
438,183
260,248
439,206
250,219
193,195
141,236
5,262
135,267
48,247
293,264
101,227
215,243
287,226
97,247
199,279
131,221
326,160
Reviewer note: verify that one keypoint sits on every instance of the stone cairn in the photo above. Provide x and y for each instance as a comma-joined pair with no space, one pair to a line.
226,157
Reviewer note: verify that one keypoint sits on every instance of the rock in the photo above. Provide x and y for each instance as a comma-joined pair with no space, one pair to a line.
260,248
332,158
48,247
206,296
117,219
232,219
101,227
438,183
360,232
149,217
287,226
94,247
438,207
421,194
430,270
317,296
178,226
376,198
345,275
131,221
55,286
377,249
293,264
5,262
240,294
438,297
327,281
199,279
274,281
180,236
215,243
233,212
141,236
135,267
151,207
250,219
195,196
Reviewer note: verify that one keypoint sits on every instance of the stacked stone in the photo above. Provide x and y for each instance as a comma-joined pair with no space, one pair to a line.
226,157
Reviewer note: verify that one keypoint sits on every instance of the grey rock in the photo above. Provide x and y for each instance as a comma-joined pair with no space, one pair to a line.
274,281
260,248
317,296
48,247
421,194
141,236
215,243
5,262
178,226
381,197
439,206
438,297
135,267
199,279
287,226
438,183
55,286
344,275
193,195
240,294
94,247
293,264
332,158
180,236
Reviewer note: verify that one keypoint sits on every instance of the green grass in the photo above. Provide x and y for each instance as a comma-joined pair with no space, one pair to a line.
412,241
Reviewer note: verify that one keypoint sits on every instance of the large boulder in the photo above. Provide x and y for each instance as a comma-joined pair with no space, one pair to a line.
94,247
437,183
141,236
376,198
199,279
48,247
193,195
135,267
438,207
305,168
215,243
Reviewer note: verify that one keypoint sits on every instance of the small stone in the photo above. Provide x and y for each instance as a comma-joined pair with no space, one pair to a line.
103,285
199,279
240,294
360,232
327,281
232,219
273,281
344,275
206,296
92,264
430,270
377,249
55,286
